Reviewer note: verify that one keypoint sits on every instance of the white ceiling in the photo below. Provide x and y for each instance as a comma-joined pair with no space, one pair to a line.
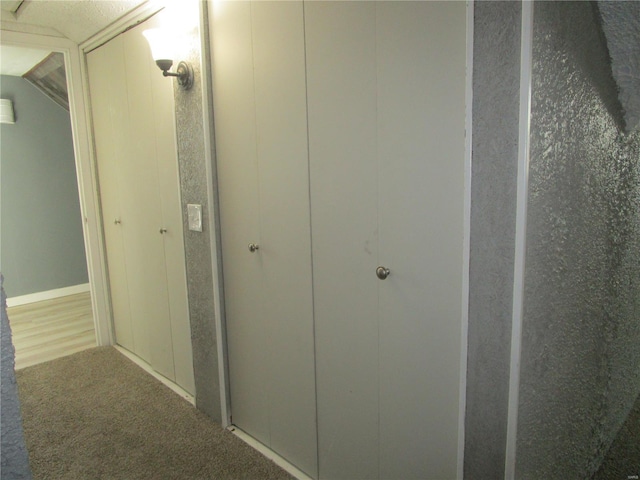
17,61
77,20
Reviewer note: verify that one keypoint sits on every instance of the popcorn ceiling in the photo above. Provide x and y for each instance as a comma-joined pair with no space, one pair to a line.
75,20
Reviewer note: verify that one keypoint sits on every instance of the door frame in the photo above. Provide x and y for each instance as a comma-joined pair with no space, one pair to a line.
89,206
206,20
466,241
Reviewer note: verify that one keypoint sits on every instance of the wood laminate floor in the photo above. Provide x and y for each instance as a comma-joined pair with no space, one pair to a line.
50,329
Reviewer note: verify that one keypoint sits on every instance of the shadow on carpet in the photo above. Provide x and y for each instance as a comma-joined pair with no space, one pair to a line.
97,415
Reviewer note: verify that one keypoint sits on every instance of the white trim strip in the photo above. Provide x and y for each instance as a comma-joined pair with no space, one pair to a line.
47,295
521,230
464,334
206,59
89,200
267,452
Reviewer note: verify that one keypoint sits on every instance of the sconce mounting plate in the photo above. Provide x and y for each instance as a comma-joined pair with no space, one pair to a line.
185,75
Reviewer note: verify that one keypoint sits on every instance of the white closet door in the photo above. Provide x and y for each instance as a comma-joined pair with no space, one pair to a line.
341,72
137,161
163,118
237,169
109,104
148,292
421,121
386,123
261,140
278,45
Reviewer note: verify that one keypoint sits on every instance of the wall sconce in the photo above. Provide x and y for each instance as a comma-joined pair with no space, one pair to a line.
6,111
163,51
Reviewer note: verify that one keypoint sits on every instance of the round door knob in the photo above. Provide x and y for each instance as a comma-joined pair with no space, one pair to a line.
117,221
382,272
253,247
163,231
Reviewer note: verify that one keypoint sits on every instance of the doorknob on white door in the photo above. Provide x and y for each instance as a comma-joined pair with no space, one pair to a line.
117,221
253,247
382,272
163,231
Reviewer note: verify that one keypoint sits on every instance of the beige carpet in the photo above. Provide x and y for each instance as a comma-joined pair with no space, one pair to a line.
97,415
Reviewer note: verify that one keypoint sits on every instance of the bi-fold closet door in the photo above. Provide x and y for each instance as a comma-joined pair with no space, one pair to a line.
386,110
263,187
133,118
340,149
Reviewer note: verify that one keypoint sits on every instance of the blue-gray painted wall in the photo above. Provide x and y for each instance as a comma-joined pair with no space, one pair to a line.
41,240
13,451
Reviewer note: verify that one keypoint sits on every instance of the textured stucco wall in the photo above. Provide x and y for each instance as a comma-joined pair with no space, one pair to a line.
581,335
496,82
15,460
190,107
41,223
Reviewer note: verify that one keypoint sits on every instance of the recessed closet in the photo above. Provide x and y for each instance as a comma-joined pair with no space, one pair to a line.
340,144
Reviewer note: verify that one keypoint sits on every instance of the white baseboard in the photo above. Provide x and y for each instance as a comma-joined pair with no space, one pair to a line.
270,454
149,369
48,295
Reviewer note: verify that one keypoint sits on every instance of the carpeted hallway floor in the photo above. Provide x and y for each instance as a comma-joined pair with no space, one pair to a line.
96,415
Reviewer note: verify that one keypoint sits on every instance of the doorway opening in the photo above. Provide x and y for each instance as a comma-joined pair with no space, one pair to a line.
42,246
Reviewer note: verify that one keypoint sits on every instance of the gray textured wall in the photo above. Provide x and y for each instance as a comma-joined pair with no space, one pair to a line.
621,24
581,334
496,83
15,460
41,227
190,111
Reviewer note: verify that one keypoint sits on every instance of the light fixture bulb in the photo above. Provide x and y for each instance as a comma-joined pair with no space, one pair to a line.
164,48
162,44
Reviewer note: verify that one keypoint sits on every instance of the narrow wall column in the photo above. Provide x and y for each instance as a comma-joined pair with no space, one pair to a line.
194,186
496,85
